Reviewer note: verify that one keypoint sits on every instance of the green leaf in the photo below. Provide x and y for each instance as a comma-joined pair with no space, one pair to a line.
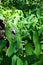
14,60
1,17
36,43
19,61
11,49
29,49
8,35
2,44
25,62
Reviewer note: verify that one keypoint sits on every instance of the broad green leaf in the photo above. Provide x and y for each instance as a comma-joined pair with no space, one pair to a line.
19,61
36,43
14,60
29,49
25,62
11,49
1,17
2,44
8,35
15,46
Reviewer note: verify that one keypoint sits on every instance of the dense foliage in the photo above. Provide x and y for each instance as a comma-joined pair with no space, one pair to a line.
21,32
